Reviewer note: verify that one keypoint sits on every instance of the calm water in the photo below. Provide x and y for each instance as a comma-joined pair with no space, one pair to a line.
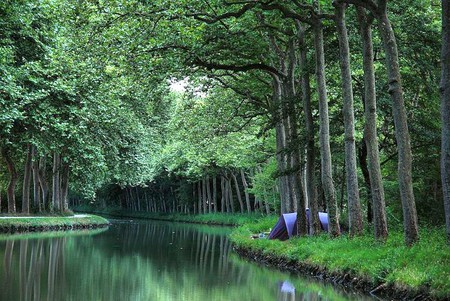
144,260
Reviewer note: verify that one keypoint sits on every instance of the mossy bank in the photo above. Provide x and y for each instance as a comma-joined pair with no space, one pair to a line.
18,224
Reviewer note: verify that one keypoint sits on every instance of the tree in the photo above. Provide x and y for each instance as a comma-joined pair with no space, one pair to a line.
370,128
380,12
445,111
354,207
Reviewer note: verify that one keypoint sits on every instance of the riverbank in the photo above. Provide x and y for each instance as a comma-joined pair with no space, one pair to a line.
19,224
220,219
392,270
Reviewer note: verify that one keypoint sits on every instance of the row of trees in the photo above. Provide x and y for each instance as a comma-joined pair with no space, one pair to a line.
93,91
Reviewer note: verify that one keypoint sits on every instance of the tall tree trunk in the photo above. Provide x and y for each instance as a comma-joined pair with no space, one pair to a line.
223,191
35,168
325,151
204,197
311,191
445,112
12,180
214,200
370,128
43,181
410,223
354,206
56,183
26,182
208,193
65,187
230,196
281,149
362,158
238,192
247,197
199,192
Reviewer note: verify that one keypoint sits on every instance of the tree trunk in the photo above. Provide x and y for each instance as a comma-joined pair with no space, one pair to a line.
445,112
401,127
65,187
314,224
27,182
325,151
247,197
230,196
238,192
223,191
214,200
204,197
362,158
43,181
12,181
208,193
370,129
281,149
354,206
56,183
35,168
199,192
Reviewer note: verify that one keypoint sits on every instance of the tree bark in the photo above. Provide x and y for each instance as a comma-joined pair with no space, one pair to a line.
247,197
204,197
43,181
199,192
314,224
445,112
35,168
238,192
208,193
223,192
65,187
325,151
214,200
370,129
56,193
281,149
410,223
26,182
12,180
354,206
362,158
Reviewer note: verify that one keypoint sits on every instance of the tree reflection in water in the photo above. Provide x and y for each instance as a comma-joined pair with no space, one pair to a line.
145,261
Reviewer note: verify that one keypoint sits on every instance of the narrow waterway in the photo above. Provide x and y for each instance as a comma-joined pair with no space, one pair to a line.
144,260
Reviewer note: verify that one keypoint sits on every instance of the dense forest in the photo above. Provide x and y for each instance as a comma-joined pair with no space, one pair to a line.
197,106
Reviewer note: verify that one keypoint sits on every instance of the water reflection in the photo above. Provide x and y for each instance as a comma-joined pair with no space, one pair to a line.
145,261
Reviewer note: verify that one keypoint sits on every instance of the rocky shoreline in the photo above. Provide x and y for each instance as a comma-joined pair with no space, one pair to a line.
343,280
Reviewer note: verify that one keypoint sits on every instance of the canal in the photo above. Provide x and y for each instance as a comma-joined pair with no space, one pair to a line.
145,260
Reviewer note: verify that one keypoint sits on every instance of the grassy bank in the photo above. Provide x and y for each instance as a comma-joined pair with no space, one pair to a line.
224,219
425,267
13,224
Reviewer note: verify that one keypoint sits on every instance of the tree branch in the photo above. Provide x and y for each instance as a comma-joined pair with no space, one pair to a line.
243,68
367,4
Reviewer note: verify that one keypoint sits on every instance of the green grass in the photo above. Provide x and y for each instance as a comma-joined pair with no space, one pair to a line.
26,222
426,265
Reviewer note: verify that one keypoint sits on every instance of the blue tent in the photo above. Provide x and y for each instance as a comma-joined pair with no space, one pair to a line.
287,225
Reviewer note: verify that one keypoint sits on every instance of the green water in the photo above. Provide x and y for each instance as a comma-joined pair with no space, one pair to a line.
144,260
